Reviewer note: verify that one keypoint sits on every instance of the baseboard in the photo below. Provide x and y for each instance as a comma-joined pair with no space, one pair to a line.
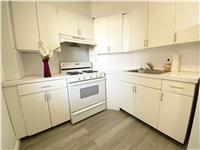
17,145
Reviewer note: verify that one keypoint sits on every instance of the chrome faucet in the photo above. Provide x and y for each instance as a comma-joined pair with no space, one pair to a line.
150,66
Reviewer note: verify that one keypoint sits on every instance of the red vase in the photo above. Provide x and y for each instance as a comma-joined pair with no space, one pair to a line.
47,72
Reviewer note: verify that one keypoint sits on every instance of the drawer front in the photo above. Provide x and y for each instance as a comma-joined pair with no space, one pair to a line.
30,88
148,82
178,87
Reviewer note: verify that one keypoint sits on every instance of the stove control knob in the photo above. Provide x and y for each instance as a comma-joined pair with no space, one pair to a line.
91,77
83,78
79,78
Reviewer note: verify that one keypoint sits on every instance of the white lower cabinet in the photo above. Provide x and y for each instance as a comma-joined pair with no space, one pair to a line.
174,115
58,106
127,97
48,106
36,112
147,104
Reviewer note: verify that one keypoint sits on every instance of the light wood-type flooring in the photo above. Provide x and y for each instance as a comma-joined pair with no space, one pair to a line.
107,130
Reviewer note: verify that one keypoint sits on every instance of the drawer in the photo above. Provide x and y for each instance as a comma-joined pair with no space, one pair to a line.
178,87
30,88
148,82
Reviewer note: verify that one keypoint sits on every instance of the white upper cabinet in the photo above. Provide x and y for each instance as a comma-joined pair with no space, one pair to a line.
187,24
115,33
48,25
161,23
101,34
74,24
68,22
138,27
126,33
108,34
85,27
25,25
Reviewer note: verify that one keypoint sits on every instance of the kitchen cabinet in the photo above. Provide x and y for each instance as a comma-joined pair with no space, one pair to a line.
138,27
147,104
174,115
48,25
58,105
161,23
127,97
85,27
67,22
187,24
75,25
36,112
44,104
115,33
107,40
126,32
25,27
101,34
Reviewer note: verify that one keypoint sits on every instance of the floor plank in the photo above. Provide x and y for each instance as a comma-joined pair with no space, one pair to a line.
108,130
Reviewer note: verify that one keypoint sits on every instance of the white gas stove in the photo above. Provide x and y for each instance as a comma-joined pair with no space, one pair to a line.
86,89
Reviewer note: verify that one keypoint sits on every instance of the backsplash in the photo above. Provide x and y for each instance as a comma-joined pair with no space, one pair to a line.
157,56
33,63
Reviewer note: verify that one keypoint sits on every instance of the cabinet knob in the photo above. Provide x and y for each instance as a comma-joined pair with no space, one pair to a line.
161,97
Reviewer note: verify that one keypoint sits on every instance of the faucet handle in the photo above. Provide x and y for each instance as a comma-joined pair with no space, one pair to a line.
150,65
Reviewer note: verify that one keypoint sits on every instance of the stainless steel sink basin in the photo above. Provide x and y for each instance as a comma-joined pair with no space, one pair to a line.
147,71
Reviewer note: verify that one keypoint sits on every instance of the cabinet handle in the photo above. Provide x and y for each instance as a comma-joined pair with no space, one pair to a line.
79,38
48,97
133,89
147,43
144,43
39,44
45,97
46,86
161,97
176,87
175,37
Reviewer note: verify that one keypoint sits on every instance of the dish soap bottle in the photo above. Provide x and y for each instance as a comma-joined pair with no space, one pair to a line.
167,66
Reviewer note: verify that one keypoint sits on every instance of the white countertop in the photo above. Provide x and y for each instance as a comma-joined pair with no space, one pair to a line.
192,77
32,79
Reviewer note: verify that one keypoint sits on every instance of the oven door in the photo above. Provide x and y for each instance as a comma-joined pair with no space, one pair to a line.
86,93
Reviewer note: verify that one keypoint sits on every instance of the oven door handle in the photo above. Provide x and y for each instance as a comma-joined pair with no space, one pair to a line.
85,82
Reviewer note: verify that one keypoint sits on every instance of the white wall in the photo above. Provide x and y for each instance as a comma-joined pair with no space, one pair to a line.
157,56
33,63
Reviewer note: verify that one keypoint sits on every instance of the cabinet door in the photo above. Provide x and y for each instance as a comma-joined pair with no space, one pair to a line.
147,105
48,25
138,23
36,112
101,34
127,97
85,27
115,33
58,106
126,33
174,115
25,25
187,22
67,22
161,23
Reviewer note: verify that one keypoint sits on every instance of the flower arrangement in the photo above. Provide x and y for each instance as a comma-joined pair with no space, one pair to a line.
46,53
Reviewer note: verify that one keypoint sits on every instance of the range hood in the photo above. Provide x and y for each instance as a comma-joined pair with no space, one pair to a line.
76,39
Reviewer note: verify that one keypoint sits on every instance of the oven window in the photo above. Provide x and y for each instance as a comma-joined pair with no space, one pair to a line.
89,91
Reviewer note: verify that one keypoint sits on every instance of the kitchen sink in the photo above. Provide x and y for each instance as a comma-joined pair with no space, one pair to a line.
147,71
